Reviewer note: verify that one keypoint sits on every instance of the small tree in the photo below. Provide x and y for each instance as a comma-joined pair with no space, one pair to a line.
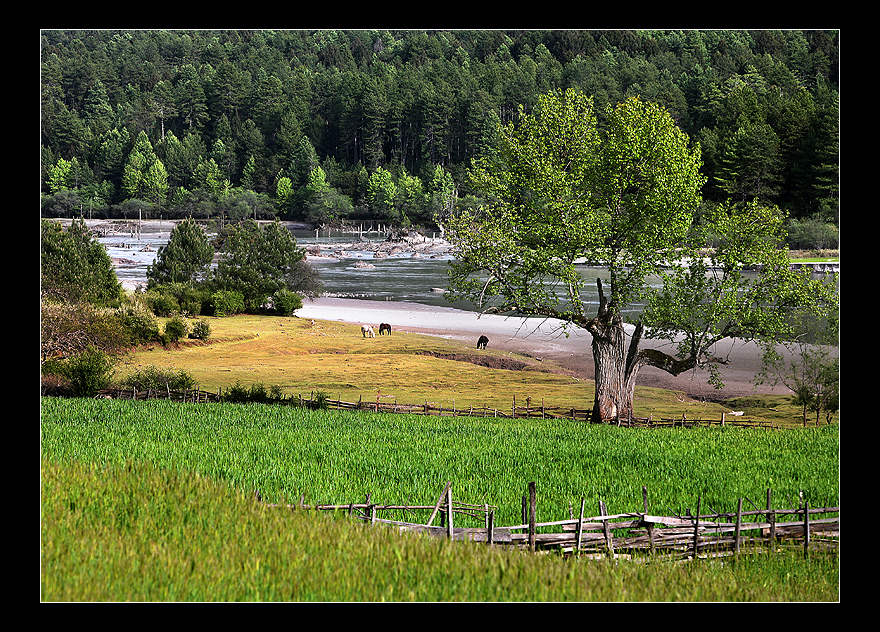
76,267
89,372
257,261
185,259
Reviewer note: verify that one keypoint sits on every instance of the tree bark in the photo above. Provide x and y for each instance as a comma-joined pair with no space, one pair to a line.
617,366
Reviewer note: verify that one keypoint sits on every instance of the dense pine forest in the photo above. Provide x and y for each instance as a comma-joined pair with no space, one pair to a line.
320,126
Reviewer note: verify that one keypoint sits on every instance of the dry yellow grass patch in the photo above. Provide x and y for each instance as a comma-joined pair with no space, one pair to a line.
303,355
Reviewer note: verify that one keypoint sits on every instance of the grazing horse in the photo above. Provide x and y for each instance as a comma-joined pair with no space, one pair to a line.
384,327
366,330
482,342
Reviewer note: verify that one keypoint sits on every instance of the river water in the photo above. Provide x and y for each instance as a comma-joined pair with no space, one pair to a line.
405,276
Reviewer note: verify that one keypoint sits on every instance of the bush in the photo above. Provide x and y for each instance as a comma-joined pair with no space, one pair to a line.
200,330
55,385
286,302
67,329
141,326
162,304
810,234
89,372
175,329
153,378
189,300
227,302
236,393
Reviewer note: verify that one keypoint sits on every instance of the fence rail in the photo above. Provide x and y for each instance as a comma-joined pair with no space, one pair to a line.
528,411
614,535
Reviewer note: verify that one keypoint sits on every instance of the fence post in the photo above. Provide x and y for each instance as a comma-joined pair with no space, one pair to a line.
514,405
525,511
650,526
723,415
806,528
449,512
697,526
533,507
580,536
542,408
490,528
771,518
739,508
609,540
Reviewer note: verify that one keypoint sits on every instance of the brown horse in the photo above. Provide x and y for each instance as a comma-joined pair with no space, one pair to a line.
384,327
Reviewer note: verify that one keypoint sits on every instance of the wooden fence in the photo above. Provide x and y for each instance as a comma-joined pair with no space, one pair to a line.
527,411
614,535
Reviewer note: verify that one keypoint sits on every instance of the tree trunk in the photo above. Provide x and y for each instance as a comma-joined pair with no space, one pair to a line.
616,367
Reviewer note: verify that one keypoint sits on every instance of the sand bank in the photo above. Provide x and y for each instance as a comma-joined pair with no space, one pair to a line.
540,338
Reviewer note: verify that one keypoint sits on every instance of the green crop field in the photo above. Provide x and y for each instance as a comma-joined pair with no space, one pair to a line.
339,457
137,532
154,500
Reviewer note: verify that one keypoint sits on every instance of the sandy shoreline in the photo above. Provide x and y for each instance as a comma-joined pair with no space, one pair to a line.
540,338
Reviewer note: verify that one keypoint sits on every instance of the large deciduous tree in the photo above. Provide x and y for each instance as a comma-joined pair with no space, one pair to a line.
559,189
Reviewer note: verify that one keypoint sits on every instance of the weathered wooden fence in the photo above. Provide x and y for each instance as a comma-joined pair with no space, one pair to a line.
517,411
615,535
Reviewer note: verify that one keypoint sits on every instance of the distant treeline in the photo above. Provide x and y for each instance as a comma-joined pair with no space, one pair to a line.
322,125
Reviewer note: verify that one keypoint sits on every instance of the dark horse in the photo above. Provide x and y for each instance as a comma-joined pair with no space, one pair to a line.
482,342
383,328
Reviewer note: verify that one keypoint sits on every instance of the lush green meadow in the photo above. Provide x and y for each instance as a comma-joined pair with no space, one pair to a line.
340,457
138,532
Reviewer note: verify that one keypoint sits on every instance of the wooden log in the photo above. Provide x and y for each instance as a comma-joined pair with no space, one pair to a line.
697,525
806,528
439,502
645,507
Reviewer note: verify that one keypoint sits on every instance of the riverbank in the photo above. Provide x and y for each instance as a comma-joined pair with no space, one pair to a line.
542,339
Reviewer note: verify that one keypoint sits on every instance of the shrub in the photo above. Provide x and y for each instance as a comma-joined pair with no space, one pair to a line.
276,393
811,233
227,302
154,378
236,393
89,372
200,330
162,304
175,329
286,302
55,385
257,393
67,329
319,401
141,325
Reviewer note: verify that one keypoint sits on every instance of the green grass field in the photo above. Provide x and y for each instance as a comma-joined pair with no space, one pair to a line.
154,500
339,457
137,532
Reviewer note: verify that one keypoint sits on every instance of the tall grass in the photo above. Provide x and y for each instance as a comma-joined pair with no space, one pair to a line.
340,457
139,532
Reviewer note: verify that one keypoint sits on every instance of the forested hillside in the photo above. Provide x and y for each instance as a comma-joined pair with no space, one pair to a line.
324,125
